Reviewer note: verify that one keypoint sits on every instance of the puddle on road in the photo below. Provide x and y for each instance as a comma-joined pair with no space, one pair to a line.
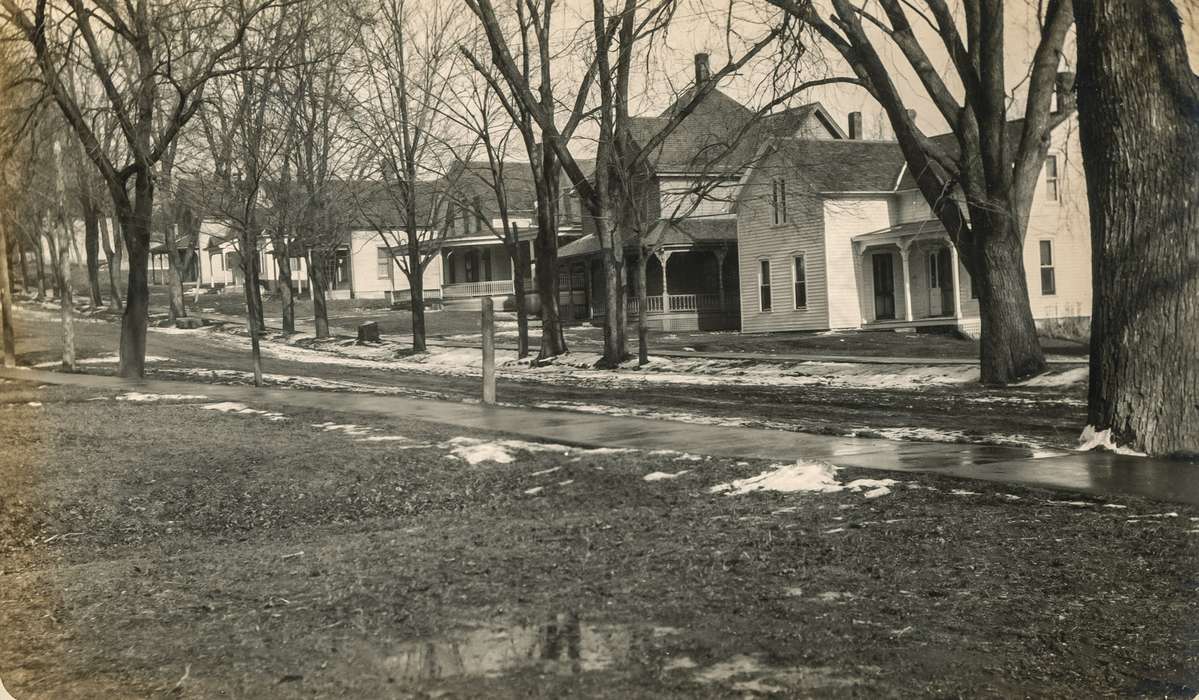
562,645
565,645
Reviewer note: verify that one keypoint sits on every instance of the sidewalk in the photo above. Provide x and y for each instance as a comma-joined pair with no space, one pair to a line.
1098,473
434,341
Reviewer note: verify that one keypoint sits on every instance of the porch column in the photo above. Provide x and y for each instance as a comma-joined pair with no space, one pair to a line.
663,257
590,292
957,291
907,282
720,255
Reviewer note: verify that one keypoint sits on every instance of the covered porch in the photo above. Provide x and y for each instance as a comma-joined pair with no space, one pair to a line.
473,269
691,280
909,276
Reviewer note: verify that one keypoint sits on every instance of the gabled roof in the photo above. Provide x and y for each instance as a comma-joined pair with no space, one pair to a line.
720,135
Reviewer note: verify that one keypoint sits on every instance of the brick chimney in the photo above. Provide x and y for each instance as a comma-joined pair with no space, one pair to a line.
703,72
855,126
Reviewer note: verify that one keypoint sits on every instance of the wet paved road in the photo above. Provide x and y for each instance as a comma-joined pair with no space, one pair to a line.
1102,474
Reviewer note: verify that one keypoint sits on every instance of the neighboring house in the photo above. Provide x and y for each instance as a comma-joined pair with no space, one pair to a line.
475,260
690,186
834,234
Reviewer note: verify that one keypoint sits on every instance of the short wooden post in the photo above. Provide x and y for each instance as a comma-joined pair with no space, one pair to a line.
488,351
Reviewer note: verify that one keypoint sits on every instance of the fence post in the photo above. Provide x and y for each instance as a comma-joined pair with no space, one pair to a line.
488,351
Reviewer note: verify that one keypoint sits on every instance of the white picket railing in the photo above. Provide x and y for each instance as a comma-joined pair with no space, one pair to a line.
697,303
477,289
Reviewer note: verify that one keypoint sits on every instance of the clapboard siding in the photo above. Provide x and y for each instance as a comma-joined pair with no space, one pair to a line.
759,238
846,217
364,250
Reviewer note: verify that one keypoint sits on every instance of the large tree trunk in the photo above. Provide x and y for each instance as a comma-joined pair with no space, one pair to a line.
316,278
1138,105
39,258
642,308
286,295
64,229
1009,349
174,274
135,225
249,249
113,252
9,337
520,262
91,244
24,257
416,288
553,339
615,348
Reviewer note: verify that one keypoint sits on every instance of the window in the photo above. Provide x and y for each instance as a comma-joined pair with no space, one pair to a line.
799,281
1051,178
778,201
1048,283
383,263
764,285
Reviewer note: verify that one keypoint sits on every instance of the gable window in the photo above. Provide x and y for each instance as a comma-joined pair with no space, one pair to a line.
764,285
1051,178
1048,282
799,281
383,263
778,200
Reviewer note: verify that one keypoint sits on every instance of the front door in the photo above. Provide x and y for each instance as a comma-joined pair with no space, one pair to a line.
884,286
946,275
935,281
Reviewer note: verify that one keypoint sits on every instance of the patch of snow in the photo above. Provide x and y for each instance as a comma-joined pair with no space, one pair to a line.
1074,504
543,472
345,428
34,404
1092,439
1117,505
383,438
1076,375
681,663
535,490
474,451
963,492
801,476
659,476
172,330
568,482
834,530
242,409
139,397
102,360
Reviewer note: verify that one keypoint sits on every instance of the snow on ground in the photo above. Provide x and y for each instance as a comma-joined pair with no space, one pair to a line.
1092,439
1076,375
660,476
477,451
51,314
242,409
102,360
818,477
171,330
139,397
345,428
304,382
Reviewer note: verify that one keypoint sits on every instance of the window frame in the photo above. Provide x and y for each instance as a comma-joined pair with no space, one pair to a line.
778,201
1046,245
1052,180
381,253
765,283
799,264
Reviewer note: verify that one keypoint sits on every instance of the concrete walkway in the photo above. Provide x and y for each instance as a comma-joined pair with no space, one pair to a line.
1101,474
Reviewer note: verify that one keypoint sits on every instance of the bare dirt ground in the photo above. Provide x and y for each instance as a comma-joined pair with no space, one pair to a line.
150,546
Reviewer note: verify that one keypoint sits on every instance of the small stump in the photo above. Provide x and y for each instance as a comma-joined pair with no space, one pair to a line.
368,333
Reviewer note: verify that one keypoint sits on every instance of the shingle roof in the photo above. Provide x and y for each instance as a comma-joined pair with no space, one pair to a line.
719,136
844,165
684,232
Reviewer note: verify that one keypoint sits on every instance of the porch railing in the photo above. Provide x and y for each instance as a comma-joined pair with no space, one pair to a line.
683,303
477,289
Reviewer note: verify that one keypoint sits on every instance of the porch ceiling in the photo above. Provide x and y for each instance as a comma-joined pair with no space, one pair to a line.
681,235
928,230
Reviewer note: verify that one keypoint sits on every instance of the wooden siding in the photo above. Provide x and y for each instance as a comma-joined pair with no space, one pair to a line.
844,218
759,238
364,247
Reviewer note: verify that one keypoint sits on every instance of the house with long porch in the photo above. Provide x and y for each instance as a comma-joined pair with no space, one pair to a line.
478,258
835,235
689,226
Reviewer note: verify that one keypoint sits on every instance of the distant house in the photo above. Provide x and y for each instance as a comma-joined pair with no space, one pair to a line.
691,186
834,234
475,260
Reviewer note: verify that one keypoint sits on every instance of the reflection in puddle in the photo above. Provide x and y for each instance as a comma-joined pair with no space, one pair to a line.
561,645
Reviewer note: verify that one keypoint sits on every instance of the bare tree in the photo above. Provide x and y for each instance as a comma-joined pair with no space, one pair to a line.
981,187
64,231
614,37
408,52
1138,105
177,47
